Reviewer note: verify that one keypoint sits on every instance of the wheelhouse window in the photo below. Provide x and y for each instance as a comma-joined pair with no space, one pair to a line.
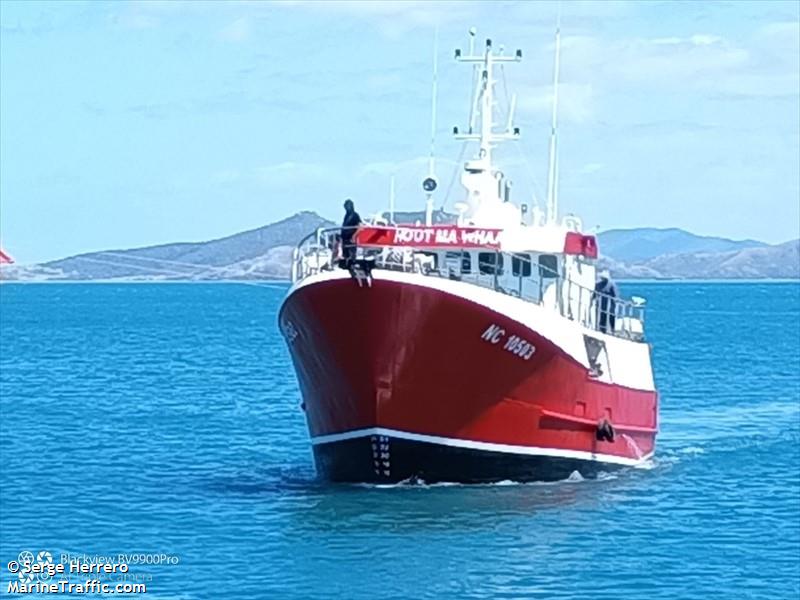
453,259
521,265
490,263
548,266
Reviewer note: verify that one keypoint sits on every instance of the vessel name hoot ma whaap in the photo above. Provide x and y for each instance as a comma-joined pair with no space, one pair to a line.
476,351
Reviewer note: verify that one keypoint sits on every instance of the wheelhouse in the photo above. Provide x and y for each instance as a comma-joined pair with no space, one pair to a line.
556,272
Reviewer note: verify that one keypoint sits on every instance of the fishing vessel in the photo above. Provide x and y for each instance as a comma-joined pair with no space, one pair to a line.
475,351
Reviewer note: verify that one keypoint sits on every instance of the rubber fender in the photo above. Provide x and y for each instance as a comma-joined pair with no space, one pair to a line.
605,431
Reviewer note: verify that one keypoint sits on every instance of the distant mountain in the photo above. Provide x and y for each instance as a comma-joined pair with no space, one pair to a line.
640,245
265,253
767,262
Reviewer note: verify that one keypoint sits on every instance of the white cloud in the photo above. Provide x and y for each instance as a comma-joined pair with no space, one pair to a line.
594,66
575,101
292,171
784,30
662,60
395,18
388,168
590,168
374,8
237,31
701,39
764,64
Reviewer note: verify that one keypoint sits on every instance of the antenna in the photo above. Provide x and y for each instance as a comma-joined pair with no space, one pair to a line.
552,177
479,176
429,185
511,109
391,200
434,86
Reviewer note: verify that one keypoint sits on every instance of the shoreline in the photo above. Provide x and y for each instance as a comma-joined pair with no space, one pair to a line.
142,281
288,282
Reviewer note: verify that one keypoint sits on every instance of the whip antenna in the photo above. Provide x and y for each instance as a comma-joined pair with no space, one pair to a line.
430,183
552,176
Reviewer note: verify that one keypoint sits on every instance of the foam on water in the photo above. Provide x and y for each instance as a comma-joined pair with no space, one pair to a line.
574,477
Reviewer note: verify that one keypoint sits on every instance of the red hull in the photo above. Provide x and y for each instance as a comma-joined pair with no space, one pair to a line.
410,359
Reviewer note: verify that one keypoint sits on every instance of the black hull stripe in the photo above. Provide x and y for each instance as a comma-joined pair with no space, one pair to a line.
387,459
490,447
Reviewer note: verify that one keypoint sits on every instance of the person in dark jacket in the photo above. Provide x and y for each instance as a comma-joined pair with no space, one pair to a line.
349,224
605,294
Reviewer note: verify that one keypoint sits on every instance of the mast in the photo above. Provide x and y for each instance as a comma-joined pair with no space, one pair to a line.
487,102
552,175
429,185
391,200
479,177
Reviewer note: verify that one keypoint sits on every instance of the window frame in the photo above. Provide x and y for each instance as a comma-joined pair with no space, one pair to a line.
524,260
545,271
494,267
463,257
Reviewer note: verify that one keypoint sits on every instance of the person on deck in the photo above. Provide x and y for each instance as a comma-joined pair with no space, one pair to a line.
349,224
605,294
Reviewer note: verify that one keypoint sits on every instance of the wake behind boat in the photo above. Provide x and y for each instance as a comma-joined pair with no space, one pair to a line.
475,352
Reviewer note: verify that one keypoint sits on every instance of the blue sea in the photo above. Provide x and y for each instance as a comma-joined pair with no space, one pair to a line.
163,420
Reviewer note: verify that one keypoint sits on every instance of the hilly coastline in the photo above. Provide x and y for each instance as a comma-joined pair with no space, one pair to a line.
265,253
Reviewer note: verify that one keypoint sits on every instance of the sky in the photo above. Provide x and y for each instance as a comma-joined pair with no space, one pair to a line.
126,124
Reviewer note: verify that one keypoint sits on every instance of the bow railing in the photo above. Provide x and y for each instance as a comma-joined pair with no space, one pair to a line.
513,274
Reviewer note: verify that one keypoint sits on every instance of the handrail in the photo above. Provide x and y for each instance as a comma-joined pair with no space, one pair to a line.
595,310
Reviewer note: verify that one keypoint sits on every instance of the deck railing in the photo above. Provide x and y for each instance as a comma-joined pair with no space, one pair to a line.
535,283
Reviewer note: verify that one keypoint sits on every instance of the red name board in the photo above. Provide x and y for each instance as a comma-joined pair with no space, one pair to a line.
429,237
576,243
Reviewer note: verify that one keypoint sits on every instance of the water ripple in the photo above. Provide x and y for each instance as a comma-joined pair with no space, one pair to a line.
164,418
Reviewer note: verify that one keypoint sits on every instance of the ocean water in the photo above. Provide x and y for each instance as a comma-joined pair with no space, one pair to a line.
163,421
